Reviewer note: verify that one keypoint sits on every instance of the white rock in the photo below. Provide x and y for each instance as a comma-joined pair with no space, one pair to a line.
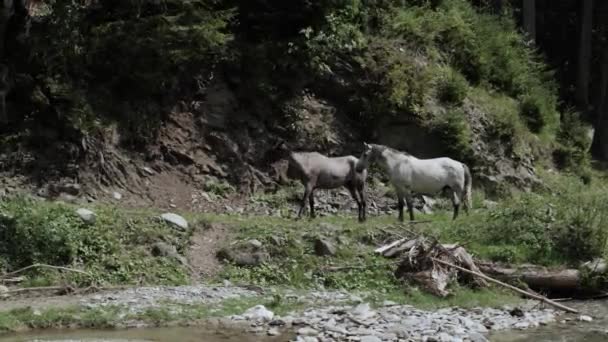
273,332
370,338
148,170
585,318
258,313
175,220
363,311
255,243
117,195
86,215
307,331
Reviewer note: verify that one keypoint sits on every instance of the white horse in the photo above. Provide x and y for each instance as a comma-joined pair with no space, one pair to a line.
409,175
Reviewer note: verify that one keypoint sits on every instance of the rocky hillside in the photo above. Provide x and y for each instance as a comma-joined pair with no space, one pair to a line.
160,100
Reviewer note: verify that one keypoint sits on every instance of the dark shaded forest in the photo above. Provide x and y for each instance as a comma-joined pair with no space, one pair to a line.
458,71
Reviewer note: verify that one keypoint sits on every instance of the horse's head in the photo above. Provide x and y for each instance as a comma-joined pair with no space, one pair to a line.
366,158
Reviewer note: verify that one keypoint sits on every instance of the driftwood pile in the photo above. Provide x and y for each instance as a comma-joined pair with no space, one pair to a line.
420,262
433,266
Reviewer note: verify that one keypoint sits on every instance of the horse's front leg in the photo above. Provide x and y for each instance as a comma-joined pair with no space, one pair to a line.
409,201
307,191
353,193
363,198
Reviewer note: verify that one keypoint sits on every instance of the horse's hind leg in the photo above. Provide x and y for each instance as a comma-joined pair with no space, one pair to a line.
409,201
456,203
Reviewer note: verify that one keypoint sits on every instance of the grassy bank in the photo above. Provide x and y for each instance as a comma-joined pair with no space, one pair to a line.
563,225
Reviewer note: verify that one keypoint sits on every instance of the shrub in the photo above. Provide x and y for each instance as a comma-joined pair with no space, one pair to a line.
115,249
452,87
31,235
455,133
545,228
531,111
572,152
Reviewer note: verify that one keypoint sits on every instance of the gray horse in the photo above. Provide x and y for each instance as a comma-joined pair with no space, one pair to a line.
317,171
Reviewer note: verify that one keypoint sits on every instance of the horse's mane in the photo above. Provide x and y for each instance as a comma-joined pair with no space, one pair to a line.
384,147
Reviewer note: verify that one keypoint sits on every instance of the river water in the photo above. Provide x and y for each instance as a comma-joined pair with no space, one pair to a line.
176,334
569,331
563,330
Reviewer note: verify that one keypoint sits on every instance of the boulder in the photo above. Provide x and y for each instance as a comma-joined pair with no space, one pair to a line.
162,249
86,215
324,248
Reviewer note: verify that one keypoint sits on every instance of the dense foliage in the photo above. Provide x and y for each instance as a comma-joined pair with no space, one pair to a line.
131,61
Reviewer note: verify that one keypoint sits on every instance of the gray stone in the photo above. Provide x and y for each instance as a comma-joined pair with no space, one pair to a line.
324,248
370,338
86,215
585,318
273,332
477,337
255,243
148,170
175,220
307,331
363,311
163,249
444,337
258,313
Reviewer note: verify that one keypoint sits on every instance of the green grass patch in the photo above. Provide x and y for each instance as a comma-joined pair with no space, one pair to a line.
113,250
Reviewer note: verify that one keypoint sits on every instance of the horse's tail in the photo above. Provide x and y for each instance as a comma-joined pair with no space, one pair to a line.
468,184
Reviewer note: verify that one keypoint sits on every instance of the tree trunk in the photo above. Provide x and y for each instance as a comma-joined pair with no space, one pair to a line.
535,277
497,6
530,18
6,12
599,148
584,55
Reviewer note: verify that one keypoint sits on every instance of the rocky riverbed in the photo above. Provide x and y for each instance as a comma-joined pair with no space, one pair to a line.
332,316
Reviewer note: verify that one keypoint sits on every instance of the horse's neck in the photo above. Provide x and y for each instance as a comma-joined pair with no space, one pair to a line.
389,160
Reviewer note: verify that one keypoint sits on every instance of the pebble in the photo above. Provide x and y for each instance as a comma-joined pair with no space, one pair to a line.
585,318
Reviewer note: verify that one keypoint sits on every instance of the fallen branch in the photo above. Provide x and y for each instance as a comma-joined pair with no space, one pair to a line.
351,267
68,289
61,268
520,291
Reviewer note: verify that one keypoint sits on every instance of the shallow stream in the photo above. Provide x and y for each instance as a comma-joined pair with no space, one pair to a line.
563,330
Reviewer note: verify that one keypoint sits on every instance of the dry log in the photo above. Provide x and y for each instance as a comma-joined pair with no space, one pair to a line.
520,291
